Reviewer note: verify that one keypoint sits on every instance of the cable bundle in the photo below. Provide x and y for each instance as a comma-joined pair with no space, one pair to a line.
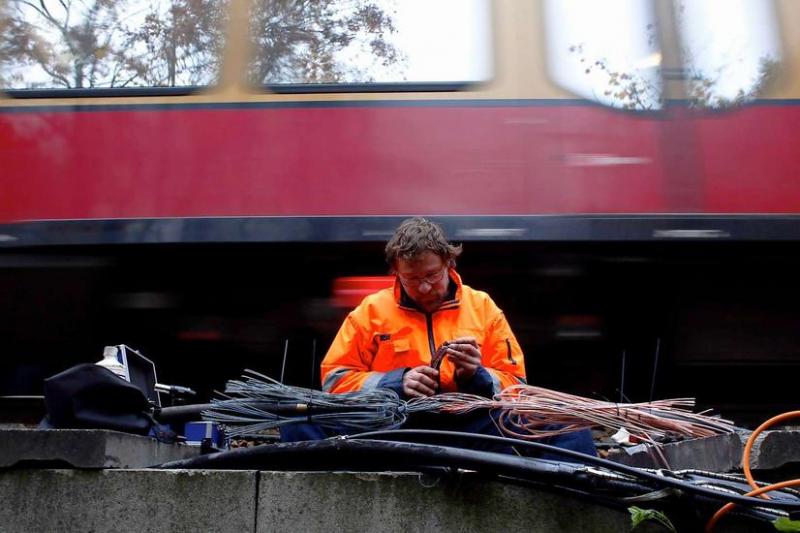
528,412
257,403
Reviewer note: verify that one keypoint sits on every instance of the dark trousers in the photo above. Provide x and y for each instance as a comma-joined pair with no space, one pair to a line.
480,423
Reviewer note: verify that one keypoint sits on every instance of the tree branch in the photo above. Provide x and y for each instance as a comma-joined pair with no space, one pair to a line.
55,75
126,82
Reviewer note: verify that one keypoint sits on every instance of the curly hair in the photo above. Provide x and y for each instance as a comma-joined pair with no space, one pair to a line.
417,235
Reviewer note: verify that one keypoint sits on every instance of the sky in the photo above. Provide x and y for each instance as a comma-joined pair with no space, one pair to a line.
725,41
445,40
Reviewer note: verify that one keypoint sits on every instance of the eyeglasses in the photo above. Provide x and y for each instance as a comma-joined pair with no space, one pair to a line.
430,280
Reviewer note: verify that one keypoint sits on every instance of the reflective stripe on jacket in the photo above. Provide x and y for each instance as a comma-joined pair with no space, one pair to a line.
387,334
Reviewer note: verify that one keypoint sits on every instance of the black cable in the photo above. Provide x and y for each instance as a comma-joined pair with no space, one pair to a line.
377,455
588,459
181,412
338,454
538,446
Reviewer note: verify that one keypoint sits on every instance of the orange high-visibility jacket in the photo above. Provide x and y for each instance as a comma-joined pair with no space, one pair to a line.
387,334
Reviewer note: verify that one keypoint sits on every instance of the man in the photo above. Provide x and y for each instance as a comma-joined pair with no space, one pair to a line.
392,337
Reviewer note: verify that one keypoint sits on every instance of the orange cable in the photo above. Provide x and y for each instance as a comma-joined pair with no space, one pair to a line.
757,491
751,441
728,506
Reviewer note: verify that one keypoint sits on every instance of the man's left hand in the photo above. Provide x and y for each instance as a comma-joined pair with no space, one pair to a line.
466,357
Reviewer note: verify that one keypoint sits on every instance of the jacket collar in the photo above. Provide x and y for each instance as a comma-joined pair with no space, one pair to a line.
451,300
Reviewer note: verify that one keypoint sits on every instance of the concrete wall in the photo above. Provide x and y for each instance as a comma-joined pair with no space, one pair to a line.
86,448
247,501
125,501
408,503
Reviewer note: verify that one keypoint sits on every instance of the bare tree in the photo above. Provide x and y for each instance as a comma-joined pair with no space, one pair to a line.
69,40
630,89
167,43
108,43
302,41
180,45
708,82
703,92
627,89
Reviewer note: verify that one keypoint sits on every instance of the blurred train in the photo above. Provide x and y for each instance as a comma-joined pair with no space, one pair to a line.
192,177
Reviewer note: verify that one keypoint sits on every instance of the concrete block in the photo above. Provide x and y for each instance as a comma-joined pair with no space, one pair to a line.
324,502
774,449
86,448
721,453
123,501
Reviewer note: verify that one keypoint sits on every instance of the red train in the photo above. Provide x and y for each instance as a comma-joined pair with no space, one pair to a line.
499,139
543,132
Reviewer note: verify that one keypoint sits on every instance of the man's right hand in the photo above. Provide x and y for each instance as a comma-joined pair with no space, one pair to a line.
420,382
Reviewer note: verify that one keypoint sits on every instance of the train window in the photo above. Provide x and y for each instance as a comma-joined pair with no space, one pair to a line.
97,46
730,49
370,45
606,51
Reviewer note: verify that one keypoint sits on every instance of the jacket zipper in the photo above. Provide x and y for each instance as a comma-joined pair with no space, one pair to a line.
431,342
432,345
510,357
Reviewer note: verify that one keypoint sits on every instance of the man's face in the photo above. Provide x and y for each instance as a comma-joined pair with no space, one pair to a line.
424,279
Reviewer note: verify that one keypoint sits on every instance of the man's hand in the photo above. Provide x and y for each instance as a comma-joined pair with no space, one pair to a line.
420,382
466,357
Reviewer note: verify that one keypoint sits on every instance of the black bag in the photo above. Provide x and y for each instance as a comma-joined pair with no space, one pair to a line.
88,396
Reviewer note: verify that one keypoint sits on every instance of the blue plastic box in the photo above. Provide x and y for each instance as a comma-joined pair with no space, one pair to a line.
195,432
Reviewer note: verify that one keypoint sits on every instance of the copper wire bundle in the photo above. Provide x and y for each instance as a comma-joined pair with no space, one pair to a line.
529,412
258,402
